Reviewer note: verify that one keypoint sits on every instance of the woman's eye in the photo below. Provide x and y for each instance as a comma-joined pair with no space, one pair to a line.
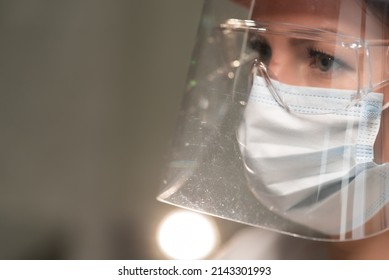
322,61
263,49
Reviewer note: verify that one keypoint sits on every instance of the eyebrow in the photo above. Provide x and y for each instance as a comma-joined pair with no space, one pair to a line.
259,26
328,29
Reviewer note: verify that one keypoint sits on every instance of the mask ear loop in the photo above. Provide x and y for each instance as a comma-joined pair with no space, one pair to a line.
261,67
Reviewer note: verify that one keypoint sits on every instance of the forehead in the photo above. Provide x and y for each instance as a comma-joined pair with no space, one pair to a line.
344,16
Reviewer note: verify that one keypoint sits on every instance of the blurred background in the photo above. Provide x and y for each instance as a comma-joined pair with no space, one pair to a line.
90,91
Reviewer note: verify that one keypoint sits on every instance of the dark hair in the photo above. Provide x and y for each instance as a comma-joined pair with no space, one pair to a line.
380,8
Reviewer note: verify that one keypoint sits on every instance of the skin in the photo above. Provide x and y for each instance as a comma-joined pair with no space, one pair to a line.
325,15
373,248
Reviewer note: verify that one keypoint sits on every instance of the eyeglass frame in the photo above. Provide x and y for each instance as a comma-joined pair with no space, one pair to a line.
361,46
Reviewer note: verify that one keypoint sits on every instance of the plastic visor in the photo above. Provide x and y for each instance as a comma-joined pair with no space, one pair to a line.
208,170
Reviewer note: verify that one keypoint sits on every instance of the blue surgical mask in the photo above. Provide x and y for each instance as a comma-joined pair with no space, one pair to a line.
314,166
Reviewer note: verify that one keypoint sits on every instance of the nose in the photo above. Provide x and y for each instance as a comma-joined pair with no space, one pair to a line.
282,67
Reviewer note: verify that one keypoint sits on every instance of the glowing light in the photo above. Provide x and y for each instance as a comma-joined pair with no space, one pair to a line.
231,75
187,235
235,63
192,83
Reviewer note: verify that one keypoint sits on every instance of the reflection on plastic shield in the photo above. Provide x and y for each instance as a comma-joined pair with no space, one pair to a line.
214,170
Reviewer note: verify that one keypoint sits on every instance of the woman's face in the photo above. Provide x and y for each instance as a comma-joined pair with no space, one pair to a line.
325,64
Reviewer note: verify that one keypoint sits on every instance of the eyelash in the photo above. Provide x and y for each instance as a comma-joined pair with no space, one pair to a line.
263,49
315,52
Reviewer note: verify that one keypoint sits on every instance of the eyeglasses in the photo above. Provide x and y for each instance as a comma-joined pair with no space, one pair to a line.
300,56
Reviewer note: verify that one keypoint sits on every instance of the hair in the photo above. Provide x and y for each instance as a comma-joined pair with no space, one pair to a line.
381,5
379,8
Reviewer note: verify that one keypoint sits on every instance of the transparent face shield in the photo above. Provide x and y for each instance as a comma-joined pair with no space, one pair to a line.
283,120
